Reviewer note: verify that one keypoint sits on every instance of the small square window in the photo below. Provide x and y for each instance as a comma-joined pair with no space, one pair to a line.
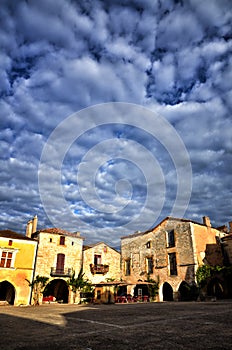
10,242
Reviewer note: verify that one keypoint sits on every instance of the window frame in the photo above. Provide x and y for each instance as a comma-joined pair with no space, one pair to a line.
172,264
150,264
62,240
171,242
6,259
127,267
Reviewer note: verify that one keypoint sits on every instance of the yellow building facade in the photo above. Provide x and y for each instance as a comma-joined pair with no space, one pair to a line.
17,261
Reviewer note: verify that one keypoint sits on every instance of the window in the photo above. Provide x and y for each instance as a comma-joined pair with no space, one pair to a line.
60,263
6,259
148,244
97,259
50,240
127,267
149,265
72,243
172,264
171,239
10,242
62,240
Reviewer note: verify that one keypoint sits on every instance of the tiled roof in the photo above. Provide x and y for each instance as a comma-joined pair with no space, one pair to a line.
58,231
85,247
166,219
14,235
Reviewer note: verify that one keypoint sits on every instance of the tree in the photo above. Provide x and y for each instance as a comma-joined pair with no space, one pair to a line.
79,284
38,285
153,287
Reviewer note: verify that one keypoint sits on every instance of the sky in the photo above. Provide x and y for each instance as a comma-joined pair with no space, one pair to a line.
115,114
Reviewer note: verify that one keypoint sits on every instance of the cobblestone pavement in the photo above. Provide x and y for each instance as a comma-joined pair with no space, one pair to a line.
183,325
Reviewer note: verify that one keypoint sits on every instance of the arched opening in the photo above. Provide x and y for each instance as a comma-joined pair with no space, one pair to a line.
167,292
141,291
7,292
57,288
215,289
187,292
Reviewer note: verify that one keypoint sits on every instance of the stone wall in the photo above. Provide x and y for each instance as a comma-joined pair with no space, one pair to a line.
109,257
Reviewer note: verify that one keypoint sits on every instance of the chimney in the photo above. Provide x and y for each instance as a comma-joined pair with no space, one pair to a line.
206,221
34,223
29,229
230,226
77,233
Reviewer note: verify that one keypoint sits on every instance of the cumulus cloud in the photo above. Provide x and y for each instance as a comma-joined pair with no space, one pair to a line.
173,57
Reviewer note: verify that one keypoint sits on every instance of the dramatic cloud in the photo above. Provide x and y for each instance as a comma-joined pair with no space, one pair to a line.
57,58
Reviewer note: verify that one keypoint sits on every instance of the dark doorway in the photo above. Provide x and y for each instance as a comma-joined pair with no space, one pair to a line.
167,292
215,289
141,290
188,292
57,288
7,292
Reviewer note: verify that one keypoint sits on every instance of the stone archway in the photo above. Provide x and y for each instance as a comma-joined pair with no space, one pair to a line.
7,292
187,292
167,292
57,288
215,289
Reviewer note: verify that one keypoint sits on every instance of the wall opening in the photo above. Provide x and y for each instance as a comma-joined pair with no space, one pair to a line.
7,292
57,288
167,292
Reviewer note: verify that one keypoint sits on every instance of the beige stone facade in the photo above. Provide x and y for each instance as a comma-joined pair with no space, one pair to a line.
101,263
170,253
59,255
102,267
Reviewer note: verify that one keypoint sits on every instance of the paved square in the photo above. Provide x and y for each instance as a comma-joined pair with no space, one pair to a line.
183,325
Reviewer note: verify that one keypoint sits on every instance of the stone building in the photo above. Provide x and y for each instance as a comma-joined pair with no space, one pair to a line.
226,242
59,256
101,265
170,253
17,254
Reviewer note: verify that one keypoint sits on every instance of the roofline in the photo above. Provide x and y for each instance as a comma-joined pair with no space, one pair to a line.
89,246
61,233
136,234
8,234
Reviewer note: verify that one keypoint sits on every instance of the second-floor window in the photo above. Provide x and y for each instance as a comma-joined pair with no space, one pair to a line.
6,259
60,260
97,259
62,240
149,265
127,267
171,239
172,264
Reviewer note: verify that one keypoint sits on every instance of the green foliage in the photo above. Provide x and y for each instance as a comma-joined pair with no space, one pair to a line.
203,274
39,281
206,272
78,283
153,286
38,285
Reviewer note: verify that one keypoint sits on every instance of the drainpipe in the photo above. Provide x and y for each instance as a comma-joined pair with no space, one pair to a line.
33,275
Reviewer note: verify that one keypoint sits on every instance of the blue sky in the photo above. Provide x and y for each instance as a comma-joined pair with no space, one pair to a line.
165,67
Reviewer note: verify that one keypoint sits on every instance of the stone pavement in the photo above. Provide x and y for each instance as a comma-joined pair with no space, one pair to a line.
145,326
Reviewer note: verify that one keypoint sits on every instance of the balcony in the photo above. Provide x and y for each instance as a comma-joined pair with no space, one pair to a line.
60,272
99,268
